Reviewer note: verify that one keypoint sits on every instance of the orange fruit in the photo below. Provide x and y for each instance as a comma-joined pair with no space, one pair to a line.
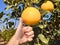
31,16
49,6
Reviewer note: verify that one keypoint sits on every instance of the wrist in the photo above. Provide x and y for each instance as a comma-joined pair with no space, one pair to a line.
13,41
17,39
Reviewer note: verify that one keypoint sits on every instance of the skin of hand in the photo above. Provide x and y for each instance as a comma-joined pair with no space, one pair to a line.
22,34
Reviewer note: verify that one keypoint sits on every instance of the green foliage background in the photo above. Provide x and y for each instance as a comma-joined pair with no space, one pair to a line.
46,33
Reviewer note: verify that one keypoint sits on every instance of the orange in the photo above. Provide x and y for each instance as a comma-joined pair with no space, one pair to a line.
31,16
49,6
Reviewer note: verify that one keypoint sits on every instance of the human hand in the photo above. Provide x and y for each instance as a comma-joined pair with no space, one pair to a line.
24,34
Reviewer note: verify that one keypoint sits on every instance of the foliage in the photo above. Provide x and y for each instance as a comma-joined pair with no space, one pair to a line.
47,32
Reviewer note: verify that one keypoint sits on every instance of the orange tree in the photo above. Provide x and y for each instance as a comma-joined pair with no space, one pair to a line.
47,30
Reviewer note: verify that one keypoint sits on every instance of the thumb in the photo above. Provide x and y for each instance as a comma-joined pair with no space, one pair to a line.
19,30
20,25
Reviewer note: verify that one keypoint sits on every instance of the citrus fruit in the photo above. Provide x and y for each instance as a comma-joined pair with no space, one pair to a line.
47,6
31,16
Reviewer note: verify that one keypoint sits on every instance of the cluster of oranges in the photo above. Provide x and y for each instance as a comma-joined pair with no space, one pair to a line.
32,16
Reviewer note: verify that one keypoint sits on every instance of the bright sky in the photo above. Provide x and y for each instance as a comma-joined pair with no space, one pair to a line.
2,5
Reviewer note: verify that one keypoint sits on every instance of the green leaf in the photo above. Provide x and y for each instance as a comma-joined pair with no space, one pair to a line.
8,7
35,1
41,26
56,0
11,24
1,14
38,44
59,32
6,19
42,38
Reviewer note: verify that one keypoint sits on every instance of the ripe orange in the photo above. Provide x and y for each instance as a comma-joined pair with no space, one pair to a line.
47,6
31,16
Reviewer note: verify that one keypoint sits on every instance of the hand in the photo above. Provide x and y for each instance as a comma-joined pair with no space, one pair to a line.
22,34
